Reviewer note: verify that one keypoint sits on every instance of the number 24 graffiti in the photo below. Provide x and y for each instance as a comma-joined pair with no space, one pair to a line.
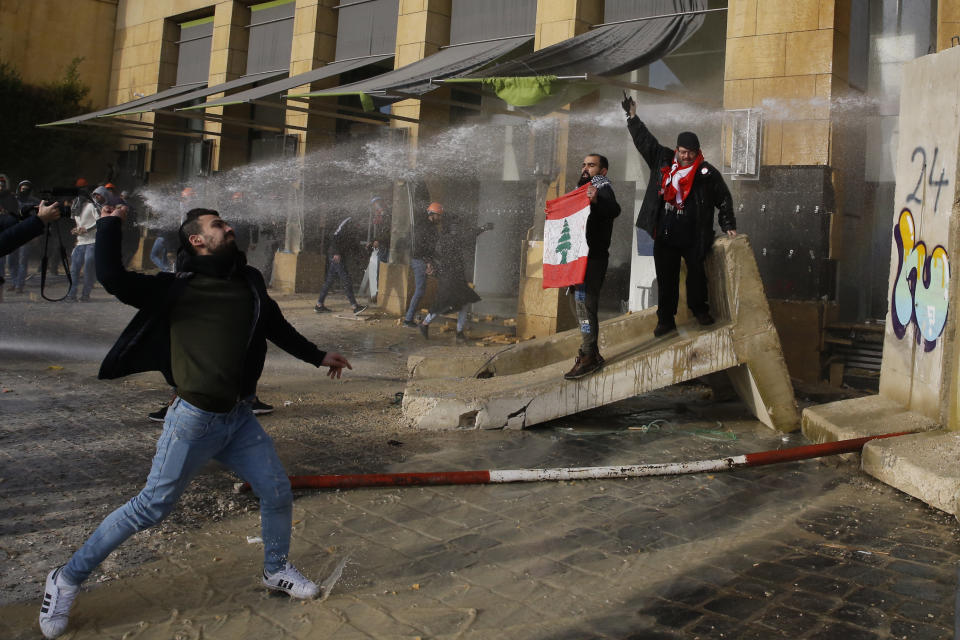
922,287
939,184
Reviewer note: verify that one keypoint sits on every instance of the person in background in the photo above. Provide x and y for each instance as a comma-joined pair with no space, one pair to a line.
341,247
446,263
425,235
19,260
83,257
378,245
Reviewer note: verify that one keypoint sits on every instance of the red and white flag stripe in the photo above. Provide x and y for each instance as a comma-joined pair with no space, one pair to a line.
565,239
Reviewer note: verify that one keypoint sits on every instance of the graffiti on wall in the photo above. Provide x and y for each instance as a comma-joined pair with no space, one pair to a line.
921,289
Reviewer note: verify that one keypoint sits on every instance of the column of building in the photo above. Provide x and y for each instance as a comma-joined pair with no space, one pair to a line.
791,63
299,268
423,27
540,311
228,61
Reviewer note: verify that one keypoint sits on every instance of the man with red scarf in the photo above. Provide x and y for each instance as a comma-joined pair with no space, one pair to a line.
677,212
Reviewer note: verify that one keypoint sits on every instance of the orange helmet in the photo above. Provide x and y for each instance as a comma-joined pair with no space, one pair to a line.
435,207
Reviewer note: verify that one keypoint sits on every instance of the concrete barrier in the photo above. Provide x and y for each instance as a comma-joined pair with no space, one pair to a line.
918,378
523,385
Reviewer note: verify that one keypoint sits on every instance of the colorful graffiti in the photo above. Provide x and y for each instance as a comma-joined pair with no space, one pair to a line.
921,289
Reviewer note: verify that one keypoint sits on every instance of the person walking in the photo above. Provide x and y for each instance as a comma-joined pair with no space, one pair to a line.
604,209
677,212
425,235
453,292
205,329
341,247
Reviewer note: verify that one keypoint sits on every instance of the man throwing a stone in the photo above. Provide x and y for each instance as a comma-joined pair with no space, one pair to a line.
677,212
205,328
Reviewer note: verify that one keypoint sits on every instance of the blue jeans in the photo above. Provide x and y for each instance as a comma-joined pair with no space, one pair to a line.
337,270
18,266
82,257
190,438
419,286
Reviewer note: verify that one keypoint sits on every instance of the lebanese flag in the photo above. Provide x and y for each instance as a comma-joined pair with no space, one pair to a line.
565,239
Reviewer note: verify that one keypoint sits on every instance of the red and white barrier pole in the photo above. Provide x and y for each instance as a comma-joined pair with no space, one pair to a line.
758,459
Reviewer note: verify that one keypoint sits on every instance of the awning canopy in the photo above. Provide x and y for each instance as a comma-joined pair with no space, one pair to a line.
607,50
139,103
314,75
613,49
184,98
417,78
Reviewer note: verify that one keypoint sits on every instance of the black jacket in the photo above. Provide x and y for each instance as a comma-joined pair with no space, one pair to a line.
425,236
144,344
15,232
709,191
343,240
600,223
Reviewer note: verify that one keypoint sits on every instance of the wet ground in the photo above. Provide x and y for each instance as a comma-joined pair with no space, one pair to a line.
810,549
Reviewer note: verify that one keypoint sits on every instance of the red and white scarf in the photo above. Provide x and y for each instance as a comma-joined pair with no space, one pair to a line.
677,181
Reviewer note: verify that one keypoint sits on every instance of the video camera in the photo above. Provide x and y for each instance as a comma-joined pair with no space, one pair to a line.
63,196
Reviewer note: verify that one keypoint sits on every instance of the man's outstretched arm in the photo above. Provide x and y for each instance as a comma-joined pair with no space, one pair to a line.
136,289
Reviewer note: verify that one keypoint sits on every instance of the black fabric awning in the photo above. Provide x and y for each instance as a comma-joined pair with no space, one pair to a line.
279,86
612,49
139,103
201,93
416,78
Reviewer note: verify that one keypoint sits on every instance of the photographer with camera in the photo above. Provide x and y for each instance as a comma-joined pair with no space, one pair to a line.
82,257
17,230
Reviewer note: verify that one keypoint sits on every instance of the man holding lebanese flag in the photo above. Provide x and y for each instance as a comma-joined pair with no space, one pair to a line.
576,244
677,212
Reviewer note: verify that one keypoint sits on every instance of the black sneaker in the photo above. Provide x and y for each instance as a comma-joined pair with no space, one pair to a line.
260,408
664,328
321,309
410,324
158,416
425,331
360,308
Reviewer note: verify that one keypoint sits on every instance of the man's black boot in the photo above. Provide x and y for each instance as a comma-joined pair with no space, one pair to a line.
664,327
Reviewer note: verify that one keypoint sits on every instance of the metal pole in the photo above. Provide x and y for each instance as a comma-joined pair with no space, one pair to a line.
757,459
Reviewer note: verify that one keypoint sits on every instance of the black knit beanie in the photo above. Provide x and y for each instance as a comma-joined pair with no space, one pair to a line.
688,140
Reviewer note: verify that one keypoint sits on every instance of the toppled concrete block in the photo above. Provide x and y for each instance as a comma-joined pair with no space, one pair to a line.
923,465
448,390
859,418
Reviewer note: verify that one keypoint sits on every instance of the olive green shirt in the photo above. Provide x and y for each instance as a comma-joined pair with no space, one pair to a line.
210,326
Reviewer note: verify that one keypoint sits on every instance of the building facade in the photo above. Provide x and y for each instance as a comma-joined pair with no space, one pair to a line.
299,111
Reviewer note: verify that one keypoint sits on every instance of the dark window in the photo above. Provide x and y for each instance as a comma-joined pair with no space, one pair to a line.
193,58
271,36
366,28
476,20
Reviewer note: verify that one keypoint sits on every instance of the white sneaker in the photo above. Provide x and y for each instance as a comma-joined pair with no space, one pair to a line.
291,582
58,597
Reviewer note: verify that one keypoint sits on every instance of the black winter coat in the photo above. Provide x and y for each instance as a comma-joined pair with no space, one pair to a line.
709,191
144,344
452,289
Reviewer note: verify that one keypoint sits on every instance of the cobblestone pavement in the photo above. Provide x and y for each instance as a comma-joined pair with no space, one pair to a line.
812,550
